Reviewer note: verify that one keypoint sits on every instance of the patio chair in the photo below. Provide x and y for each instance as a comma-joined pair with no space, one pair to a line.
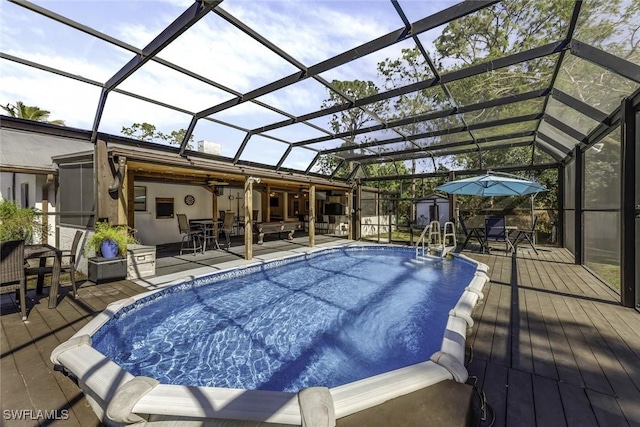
227,227
12,274
68,265
191,236
527,235
69,261
495,230
470,234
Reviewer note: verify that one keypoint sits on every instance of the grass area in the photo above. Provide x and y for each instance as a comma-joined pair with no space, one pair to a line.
610,273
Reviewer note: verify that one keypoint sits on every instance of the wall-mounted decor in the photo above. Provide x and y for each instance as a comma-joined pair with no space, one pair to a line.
189,200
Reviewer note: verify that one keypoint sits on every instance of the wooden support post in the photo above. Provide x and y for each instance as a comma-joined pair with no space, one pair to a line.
106,201
248,220
312,215
349,195
267,205
285,208
123,193
214,205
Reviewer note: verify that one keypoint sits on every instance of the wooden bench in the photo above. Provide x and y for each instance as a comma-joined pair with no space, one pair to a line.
262,228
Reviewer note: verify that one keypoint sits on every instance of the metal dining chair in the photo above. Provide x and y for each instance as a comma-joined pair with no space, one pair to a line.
12,273
227,227
495,230
527,235
470,234
190,236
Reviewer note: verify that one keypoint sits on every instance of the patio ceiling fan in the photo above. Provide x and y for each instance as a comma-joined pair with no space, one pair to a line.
208,181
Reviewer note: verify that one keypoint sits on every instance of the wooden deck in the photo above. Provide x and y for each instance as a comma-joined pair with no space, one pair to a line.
551,347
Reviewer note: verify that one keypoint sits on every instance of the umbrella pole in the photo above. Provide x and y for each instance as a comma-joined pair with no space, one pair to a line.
533,196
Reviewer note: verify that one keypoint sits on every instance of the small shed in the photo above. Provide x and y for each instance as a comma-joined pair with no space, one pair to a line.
434,207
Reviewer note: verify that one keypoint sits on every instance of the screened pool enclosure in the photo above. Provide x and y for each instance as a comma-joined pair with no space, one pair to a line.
388,98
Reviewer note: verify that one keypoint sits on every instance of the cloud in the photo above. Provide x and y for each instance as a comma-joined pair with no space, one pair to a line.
310,32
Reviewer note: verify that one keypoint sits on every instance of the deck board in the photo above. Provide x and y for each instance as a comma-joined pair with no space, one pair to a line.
550,345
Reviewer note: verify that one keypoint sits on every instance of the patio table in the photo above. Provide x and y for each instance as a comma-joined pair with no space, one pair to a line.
42,252
210,229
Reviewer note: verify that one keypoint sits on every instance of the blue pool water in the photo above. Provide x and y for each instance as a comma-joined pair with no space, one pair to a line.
324,319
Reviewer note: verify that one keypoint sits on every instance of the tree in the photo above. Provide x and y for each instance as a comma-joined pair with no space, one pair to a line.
148,132
22,111
412,68
350,120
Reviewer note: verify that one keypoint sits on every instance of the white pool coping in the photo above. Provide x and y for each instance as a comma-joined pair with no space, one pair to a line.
119,398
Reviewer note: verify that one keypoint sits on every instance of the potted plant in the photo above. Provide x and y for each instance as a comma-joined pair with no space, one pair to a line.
109,241
17,223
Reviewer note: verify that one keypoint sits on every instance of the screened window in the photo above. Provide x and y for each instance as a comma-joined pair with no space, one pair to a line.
76,194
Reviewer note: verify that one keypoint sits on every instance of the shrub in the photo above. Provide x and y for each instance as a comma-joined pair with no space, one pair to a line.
18,223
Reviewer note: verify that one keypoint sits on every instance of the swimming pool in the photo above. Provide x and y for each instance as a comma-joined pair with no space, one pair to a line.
257,336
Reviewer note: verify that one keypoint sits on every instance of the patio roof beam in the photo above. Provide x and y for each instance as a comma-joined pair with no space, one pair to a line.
556,70
284,156
433,21
613,63
337,168
313,162
475,126
119,43
433,115
463,172
444,146
353,173
581,107
243,144
193,14
542,146
395,157
553,143
454,76
565,128
48,69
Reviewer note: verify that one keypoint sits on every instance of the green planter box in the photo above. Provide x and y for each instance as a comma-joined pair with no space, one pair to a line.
103,270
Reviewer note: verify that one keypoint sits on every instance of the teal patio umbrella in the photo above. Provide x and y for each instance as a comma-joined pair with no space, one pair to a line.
492,184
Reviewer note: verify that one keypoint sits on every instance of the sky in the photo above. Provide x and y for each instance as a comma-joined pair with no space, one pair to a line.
309,31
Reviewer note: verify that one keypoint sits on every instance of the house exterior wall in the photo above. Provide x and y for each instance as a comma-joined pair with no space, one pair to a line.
157,231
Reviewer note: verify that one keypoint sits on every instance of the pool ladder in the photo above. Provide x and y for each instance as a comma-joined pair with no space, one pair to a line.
431,239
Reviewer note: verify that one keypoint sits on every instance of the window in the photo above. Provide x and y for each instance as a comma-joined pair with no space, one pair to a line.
76,194
24,195
140,199
164,207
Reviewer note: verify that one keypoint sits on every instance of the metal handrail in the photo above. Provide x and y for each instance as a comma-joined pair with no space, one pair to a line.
421,239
